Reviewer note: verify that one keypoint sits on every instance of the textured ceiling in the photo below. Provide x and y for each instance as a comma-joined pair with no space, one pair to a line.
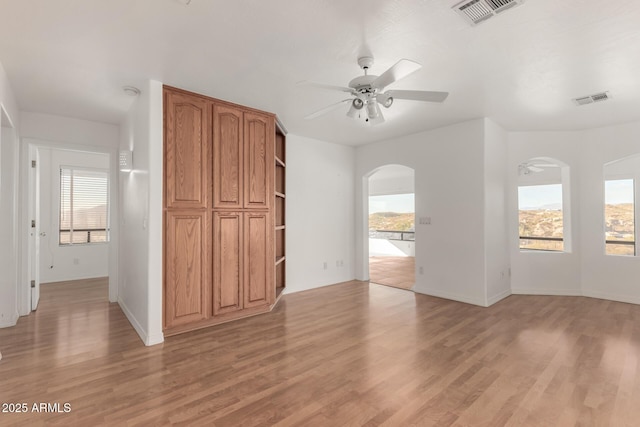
522,68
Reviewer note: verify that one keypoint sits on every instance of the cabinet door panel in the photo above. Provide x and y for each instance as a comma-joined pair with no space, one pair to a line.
259,260
185,268
227,262
186,151
259,135
227,157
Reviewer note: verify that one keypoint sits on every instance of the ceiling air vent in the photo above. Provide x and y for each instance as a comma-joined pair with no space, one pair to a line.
476,11
584,100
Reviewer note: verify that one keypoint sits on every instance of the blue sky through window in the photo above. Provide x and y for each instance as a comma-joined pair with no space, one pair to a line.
399,203
533,197
618,191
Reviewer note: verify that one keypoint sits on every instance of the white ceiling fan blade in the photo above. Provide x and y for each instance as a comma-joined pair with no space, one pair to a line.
325,110
324,86
400,70
418,95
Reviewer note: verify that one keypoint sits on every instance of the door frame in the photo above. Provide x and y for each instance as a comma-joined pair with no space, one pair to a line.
363,245
28,146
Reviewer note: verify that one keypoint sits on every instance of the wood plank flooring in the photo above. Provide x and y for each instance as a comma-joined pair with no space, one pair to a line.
395,271
352,354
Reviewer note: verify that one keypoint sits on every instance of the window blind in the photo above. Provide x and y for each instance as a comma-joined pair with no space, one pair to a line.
84,207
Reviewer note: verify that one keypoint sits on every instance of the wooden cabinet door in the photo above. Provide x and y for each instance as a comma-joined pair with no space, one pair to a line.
227,157
186,150
259,260
227,262
186,261
259,135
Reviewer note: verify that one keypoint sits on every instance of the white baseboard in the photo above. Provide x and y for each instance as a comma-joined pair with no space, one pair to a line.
447,295
555,292
154,339
147,339
498,297
612,297
10,321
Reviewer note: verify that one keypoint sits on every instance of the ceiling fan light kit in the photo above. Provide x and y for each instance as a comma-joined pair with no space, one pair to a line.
368,91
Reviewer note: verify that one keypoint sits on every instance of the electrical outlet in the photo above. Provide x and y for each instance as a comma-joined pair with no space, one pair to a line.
426,220
76,261
421,270
324,265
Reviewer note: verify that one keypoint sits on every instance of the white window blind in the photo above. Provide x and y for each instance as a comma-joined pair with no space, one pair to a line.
84,207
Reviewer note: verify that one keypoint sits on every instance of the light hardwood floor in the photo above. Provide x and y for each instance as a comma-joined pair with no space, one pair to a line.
395,271
346,355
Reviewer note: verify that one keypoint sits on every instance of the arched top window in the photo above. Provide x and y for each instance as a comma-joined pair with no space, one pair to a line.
543,205
620,212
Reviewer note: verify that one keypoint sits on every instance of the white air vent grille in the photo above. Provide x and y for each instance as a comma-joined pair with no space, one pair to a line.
476,11
598,97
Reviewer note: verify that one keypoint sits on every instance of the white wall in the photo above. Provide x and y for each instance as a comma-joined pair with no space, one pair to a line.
50,131
319,214
9,212
449,188
496,254
8,226
381,184
140,285
586,270
58,263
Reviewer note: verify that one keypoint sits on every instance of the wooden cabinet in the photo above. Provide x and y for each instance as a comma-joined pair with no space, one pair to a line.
227,262
186,151
219,210
258,163
258,256
186,258
242,153
228,159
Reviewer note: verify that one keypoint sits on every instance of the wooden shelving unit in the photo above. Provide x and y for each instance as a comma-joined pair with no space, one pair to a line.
279,216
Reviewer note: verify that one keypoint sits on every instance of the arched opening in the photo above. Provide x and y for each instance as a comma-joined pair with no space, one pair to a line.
391,226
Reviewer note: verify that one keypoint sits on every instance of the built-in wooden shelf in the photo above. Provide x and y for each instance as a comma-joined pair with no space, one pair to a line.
279,189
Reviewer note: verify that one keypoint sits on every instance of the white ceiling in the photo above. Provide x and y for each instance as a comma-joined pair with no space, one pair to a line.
72,57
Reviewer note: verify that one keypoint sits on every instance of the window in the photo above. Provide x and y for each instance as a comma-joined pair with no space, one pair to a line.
541,217
619,204
84,209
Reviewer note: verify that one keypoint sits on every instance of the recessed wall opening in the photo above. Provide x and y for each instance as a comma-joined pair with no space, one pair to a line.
70,225
620,196
543,205
391,225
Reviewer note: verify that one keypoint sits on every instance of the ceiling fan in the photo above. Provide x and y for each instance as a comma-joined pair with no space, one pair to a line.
528,168
368,91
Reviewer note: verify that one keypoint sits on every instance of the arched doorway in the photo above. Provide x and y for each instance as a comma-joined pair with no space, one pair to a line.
391,226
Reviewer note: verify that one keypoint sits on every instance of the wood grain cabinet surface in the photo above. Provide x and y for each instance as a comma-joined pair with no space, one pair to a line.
219,211
186,151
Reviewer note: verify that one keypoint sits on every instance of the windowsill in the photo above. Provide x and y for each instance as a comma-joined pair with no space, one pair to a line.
83,244
541,251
